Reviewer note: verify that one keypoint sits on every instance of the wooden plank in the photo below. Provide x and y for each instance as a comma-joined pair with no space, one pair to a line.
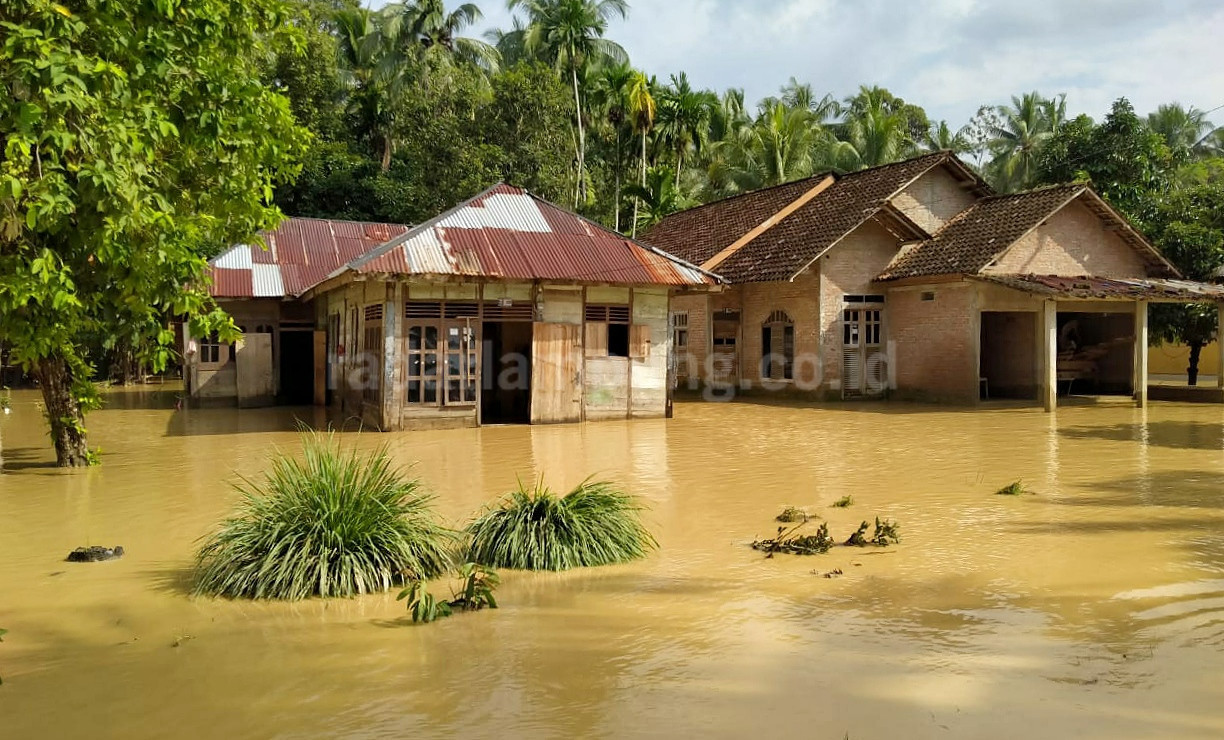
767,224
253,356
320,368
639,341
596,339
556,375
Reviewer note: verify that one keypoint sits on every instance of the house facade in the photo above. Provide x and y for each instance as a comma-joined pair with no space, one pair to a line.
506,309
914,280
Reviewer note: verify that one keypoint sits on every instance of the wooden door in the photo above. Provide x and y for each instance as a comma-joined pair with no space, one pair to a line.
864,371
556,373
253,357
320,368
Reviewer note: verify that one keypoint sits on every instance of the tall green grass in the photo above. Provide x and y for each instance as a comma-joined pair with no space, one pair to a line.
594,524
332,523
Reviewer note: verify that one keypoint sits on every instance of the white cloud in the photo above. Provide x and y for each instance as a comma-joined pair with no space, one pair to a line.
949,56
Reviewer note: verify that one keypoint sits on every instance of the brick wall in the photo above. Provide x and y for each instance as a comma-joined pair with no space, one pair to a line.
935,342
933,199
848,269
799,300
1073,242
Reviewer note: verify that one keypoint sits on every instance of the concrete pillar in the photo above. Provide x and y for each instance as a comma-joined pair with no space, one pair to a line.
1049,355
1141,353
1220,345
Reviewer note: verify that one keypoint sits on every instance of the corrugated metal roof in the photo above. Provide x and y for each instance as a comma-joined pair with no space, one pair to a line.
1153,289
300,254
508,233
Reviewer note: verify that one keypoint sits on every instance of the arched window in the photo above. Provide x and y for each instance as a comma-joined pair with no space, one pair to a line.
778,347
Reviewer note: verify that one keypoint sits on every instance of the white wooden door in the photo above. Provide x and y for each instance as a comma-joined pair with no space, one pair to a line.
864,369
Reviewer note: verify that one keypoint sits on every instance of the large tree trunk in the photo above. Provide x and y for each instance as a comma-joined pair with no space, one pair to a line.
580,191
1196,349
63,412
386,154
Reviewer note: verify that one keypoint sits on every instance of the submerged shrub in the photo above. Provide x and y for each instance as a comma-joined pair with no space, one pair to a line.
885,532
475,593
1015,488
331,524
792,514
594,524
844,502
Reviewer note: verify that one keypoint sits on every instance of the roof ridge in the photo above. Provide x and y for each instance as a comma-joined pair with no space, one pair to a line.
1033,191
940,154
726,198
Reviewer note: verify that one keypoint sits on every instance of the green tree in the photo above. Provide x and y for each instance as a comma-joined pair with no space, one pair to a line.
611,93
528,119
684,118
570,35
1186,131
139,139
778,147
660,197
642,109
376,81
425,27
1017,139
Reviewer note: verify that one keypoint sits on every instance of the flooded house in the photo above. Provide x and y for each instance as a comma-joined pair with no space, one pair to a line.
506,309
915,280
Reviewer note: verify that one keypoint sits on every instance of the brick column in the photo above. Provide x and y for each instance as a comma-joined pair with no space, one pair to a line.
1049,355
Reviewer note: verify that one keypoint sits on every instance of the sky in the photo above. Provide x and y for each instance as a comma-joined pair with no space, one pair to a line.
949,56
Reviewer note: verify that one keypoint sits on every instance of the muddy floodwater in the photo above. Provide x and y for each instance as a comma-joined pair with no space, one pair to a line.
1092,608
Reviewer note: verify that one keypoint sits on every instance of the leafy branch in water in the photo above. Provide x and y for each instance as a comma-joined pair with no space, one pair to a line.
476,593
789,542
885,532
1015,488
843,502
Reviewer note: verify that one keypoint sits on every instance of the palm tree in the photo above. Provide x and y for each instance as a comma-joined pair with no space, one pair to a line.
511,45
569,33
659,196
778,147
1025,126
427,26
375,86
878,134
941,137
640,105
684,118
800,95
1187,131
612,85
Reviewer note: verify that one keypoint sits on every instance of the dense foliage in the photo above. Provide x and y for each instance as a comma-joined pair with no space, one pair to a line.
138,140
594,524
332,523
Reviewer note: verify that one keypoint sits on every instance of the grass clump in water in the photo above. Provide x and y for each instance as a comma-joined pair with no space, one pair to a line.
594,524
844,502
1015,488
792,514
330,524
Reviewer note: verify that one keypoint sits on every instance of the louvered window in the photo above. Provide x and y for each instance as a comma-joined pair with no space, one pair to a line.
607,330
423,310
778,347
508,311
372,353
374,312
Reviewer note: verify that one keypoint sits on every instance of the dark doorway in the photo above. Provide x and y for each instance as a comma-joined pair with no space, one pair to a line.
296,367
1009,361
505,396
1096,353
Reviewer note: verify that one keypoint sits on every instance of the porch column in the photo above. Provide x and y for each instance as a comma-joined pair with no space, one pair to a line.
1049,355
1141,353
1220,345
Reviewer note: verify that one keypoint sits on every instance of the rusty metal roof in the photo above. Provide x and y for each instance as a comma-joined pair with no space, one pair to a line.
300,254
1151,289
506,233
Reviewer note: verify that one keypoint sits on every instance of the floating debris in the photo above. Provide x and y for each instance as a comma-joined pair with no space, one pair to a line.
1015,488
94,554
792,514
844,502
832,573
788,542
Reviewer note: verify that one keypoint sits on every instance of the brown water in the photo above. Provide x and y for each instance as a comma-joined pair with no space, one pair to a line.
1094,608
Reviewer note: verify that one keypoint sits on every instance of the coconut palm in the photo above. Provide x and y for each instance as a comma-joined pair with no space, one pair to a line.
374,82
941,137
426,25
684,118
778,147
1025,126
877,133
660,197
800,95
611,92
569,34
641,107
1187,131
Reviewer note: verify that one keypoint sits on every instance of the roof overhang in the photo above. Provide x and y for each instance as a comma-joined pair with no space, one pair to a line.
1155,290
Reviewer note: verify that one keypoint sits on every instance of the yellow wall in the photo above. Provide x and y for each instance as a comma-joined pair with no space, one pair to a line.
1171,359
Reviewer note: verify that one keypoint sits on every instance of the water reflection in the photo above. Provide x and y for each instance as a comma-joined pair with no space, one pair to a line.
1092,607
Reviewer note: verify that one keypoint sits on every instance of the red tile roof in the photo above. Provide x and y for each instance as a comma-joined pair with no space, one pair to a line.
785,249
1158,289
508,233
980,234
